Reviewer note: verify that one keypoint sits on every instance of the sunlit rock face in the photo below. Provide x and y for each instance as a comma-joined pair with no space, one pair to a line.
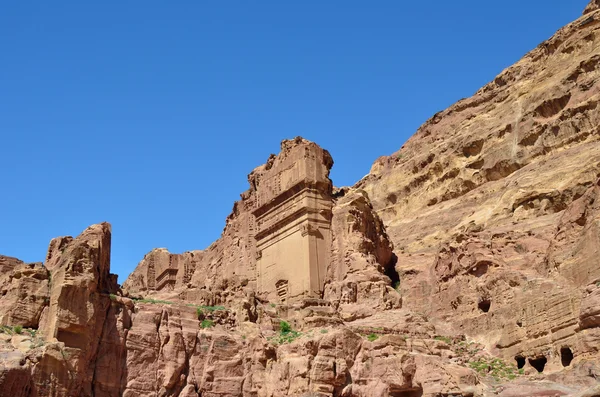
465,264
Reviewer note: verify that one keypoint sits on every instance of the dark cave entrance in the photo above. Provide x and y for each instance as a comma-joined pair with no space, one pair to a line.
484,305
520,361
538,363
566,356
390,271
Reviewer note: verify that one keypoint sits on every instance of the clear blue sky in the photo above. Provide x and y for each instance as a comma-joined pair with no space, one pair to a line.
150,114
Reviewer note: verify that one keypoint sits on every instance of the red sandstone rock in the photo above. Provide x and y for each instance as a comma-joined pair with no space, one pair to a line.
24,292
470,250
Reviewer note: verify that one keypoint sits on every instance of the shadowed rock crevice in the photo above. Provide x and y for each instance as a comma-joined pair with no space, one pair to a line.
566,356
539,363
390,271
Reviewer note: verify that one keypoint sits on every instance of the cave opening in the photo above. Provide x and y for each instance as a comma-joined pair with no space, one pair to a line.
520,361
484,305
566,356
538,363
390,271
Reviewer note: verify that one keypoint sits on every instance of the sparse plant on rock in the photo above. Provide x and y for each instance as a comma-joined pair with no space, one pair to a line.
286,334
494,367
444,339
151,300
207,324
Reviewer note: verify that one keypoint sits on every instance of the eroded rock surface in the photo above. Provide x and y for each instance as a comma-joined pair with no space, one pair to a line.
465,264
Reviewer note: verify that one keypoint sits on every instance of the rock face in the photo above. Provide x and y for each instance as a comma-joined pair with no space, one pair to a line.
277,238
24,292
465,264
495,223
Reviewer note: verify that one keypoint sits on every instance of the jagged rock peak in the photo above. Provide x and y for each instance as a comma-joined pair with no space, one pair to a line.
592,6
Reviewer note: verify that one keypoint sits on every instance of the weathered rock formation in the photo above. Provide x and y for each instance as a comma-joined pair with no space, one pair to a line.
465,264
24,292
495,224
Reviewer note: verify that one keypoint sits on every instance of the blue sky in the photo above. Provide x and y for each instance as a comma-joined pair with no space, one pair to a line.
149,115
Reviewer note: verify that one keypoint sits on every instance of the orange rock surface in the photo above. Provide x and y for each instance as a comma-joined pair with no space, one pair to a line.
465,264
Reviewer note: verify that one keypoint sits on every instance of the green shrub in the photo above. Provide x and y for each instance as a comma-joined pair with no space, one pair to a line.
284,327
113,297
207,324
273,305
286,334
17,329
324,331
372,337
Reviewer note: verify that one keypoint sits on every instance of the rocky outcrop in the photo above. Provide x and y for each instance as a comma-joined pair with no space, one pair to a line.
592,6
361,272
465,264
492,207
59,349
24,292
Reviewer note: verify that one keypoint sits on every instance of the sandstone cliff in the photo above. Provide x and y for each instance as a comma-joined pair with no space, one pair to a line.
495,223
464,264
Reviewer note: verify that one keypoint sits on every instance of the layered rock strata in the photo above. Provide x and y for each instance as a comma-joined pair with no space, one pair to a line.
464,264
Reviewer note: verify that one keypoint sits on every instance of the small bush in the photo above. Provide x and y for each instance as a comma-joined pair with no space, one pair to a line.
284,327
286,334
273,305
372,337
324,331
207,324
17,329
113,297
397,285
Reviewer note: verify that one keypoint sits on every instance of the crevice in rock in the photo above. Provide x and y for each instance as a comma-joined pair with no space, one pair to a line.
484,304
406,393
538,363
473,148
566,356
390,271
553,106
520,361
480,268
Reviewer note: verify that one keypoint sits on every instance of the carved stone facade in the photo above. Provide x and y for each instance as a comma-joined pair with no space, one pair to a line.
277,238
293,223
165,270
